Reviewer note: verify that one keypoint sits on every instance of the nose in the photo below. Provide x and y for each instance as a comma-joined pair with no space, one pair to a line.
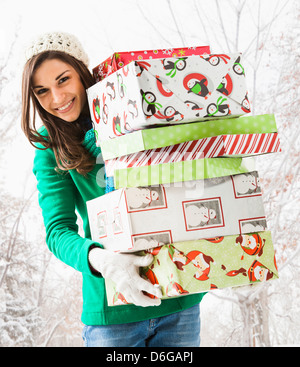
57,95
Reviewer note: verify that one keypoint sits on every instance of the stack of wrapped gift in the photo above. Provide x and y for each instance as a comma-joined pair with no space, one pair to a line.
178,141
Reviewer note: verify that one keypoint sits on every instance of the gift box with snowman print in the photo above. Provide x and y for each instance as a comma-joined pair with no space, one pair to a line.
139,218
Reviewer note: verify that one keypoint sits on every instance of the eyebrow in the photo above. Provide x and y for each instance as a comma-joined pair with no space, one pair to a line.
59,76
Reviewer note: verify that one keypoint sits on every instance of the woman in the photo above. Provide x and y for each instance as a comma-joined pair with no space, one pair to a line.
55,79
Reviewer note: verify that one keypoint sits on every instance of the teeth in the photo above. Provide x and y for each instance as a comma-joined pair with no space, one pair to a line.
66,106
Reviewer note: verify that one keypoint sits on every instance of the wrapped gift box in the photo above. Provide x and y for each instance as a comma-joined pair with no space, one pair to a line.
120,59
215,146
168,91
204,265
139,218
183,171
159,137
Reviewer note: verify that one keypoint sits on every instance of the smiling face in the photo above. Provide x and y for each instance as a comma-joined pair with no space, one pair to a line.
199,263
191,83
59,90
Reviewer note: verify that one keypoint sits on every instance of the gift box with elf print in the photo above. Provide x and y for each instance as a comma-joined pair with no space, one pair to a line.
186,187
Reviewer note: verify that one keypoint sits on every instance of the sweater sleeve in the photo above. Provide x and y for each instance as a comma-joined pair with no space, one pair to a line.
57,197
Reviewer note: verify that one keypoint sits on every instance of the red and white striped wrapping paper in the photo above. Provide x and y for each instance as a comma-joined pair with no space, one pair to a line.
216,146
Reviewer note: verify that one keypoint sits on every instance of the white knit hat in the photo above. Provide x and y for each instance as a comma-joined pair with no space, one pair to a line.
57,41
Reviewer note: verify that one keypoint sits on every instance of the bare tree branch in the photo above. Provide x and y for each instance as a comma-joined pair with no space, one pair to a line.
176,24
268,24
138,3
222,25
207,34
13,237
52,331
239,10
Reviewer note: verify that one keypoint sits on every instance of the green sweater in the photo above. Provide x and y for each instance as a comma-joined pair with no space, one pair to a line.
60,196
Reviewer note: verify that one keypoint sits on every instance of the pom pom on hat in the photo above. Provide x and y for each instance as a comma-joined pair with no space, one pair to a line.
57,41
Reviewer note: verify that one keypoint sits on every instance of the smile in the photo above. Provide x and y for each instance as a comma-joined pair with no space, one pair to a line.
66,107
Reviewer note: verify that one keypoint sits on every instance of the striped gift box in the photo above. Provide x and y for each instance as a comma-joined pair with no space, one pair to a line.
216,146
251,144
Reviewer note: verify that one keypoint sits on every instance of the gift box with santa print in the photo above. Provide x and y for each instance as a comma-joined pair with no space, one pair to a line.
139,218
120,59
190,267
168,91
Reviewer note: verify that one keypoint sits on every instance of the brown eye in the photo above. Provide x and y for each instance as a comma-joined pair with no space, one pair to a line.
62,80
41,91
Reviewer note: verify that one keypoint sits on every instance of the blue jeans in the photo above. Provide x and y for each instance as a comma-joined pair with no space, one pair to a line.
180,329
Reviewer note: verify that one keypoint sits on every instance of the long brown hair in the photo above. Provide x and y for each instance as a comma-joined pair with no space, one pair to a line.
65,138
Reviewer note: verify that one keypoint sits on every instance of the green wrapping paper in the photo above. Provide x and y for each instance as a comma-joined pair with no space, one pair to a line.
182,171
199,266
170,135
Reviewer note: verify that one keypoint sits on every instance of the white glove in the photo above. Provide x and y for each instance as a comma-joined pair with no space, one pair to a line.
123,269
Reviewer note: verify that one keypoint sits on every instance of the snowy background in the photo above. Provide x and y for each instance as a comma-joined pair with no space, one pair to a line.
40,298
